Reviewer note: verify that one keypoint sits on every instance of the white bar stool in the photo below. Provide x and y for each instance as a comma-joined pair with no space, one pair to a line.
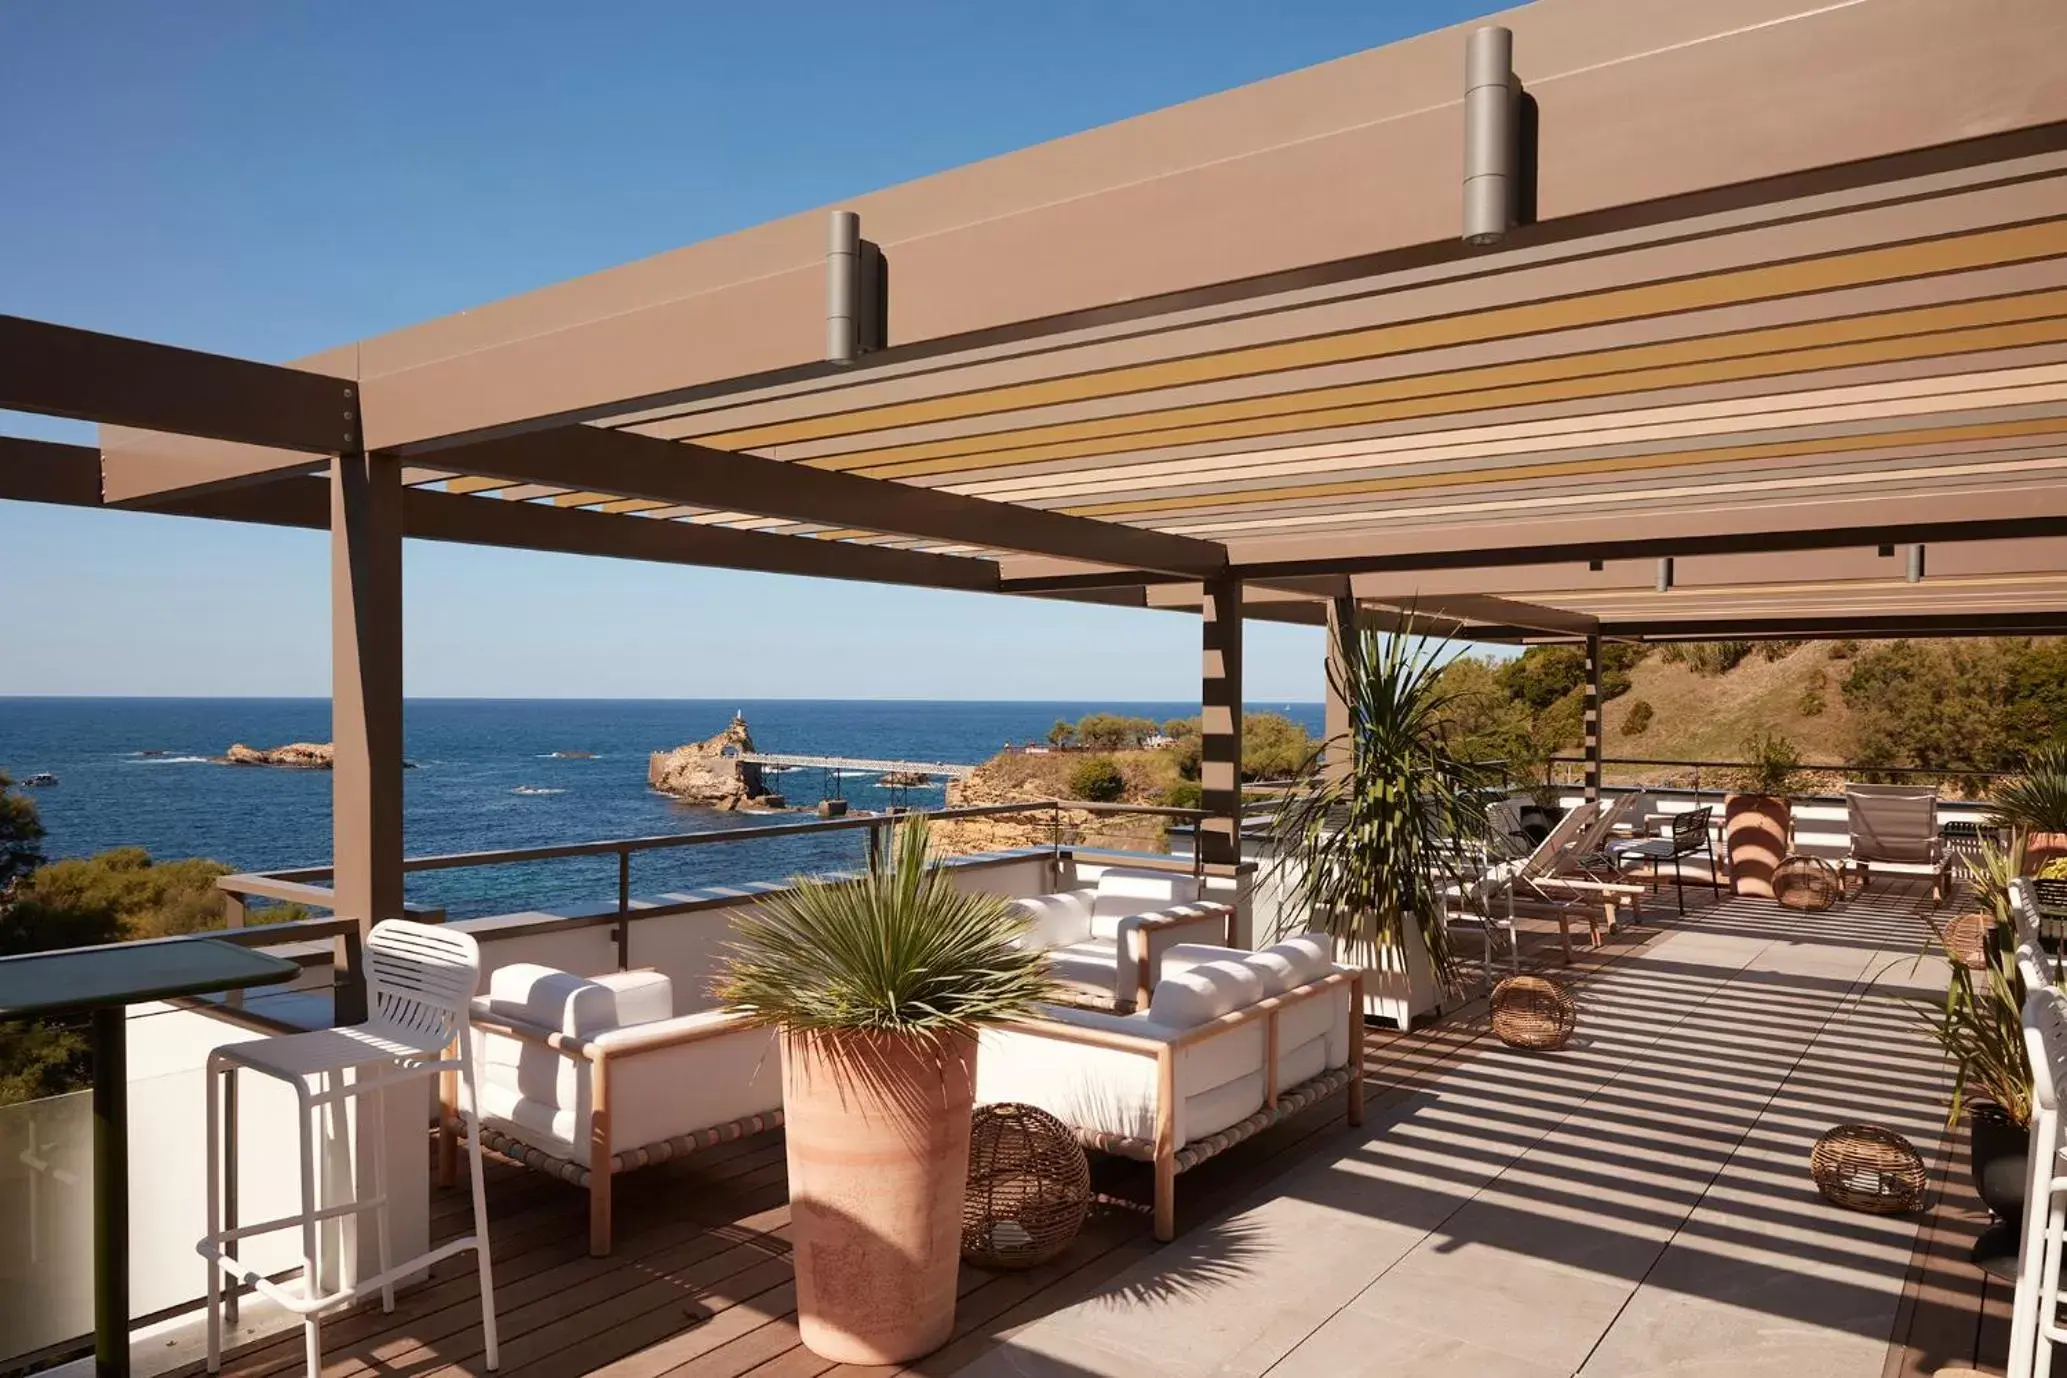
420,978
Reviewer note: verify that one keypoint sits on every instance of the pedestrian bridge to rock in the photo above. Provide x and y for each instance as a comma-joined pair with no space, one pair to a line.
857,764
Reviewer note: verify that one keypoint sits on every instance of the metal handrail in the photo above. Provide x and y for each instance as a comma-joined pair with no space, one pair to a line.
1960,772
296,885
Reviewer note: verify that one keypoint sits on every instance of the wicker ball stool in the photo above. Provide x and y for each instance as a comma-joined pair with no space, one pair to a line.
1533,1012
1868,1168
1966,940
1807,883
1029,1187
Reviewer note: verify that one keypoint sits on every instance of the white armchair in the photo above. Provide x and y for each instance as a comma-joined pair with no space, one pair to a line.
587,1077
1231,1043
1105,941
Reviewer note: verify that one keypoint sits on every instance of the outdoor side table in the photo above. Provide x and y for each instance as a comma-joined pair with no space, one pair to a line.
102,980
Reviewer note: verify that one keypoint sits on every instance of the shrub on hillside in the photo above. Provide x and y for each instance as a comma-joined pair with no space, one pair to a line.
1273,746
1185,794
1843,650
1812,703
1778,650
1637,719
1981,704
125,893
1708,657
1542,675
1097,779
21,830
1112,732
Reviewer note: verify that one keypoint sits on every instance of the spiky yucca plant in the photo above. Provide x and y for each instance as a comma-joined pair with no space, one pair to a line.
899,950
2036,801
1369,850
1980,1026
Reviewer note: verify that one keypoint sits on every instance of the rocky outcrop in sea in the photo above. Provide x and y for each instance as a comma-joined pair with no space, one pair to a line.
710,772
293,756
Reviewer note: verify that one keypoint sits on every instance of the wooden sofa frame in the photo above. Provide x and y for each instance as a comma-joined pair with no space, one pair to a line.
1159,930
1279,1102
605,1159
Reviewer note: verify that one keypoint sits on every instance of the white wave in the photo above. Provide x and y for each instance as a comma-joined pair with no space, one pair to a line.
171,760
533,789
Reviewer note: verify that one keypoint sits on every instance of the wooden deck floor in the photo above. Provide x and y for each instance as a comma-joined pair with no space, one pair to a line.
700,1283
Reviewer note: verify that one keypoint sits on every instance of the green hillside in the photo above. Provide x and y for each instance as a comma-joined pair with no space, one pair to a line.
1974,704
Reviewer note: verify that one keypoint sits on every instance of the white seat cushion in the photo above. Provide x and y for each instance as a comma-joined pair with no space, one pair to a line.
1059,919
1311,955
1122,892
1085,969
579,1005
1189,998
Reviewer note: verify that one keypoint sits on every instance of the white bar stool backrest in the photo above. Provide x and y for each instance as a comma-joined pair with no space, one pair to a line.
420,979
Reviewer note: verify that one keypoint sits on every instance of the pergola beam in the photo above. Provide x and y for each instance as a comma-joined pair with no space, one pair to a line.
59,370
45,471
589,458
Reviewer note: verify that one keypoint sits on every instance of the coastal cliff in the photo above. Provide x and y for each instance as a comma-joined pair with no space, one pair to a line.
710,772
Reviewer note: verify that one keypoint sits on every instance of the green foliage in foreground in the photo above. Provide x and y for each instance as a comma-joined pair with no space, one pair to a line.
2036,801
900,950
1367,854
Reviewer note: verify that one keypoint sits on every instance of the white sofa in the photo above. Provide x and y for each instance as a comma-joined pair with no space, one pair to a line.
1231,1043
587,1077
1105,940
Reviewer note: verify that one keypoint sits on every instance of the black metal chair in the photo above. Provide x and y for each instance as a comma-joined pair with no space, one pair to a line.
1689,837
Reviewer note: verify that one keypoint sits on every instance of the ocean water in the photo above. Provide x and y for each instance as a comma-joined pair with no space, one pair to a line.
486,779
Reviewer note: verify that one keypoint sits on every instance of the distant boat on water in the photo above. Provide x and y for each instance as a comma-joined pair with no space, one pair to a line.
41,779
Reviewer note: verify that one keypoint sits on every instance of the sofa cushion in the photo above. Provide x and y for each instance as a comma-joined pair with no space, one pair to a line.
1278,971
1121,892
1059,919
1085,969
579,1005
1311,955
1189,998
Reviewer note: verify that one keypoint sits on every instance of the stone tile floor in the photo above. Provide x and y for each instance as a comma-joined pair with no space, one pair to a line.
1637,1203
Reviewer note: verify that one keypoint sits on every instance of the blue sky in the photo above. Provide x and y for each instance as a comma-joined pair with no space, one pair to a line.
269,180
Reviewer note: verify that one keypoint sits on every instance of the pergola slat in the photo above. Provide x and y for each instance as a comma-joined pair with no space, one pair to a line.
629,465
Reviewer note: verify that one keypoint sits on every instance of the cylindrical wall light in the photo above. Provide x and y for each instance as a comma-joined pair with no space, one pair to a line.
843,289
1664,573
1491,135
1916,564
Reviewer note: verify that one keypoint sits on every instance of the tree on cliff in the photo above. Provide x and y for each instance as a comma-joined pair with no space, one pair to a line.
21,832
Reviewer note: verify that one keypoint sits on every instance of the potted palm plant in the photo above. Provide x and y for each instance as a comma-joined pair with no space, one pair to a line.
1370,855
2033,806
879,985
1757,818
1980,1026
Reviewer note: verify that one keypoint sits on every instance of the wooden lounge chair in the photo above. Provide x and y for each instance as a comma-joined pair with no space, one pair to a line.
1895,828
1552,881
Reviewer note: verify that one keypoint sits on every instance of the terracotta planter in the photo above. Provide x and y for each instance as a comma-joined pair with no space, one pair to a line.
1754,840
878,1137
2039,848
